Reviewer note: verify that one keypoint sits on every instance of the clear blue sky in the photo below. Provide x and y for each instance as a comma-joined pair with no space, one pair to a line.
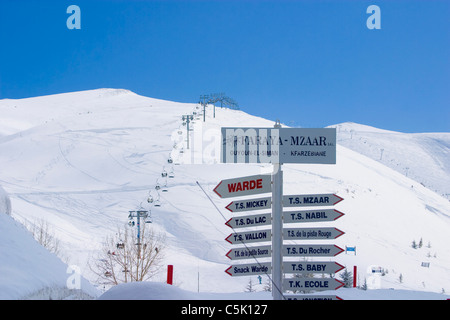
307,63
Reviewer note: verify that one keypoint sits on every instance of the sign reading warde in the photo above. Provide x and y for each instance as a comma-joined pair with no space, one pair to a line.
244,186
279,145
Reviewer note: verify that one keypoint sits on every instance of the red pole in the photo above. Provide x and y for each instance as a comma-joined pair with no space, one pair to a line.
169,274
354,276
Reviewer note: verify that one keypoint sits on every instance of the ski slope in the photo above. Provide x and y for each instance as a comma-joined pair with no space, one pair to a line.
429,160
82,160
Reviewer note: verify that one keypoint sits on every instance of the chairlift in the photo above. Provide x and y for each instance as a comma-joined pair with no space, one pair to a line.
164,187
131,223
171,174
164,174
120,245
157,187
157,203
150,199
169,160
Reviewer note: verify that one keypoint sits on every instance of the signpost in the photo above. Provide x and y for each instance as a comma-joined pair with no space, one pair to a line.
311,216
249,236
244,186
312,267
250,252
311,284
249,269
257,220
310,200
311,297
311,233
309,250
278,146
250,204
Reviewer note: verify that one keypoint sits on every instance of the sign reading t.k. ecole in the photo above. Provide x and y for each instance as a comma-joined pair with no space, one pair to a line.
279,145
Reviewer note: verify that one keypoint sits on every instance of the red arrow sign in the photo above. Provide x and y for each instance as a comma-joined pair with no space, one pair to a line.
244,186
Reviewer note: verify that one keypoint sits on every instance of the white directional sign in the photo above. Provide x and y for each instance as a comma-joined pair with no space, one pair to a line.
311,216
310,297
249,236
311,250
279,145
311,233
250,204
244,186
312,267
249,269
309,200
311,284
250,221
250,253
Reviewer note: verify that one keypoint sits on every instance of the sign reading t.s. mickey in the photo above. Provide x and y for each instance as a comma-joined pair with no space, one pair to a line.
279,145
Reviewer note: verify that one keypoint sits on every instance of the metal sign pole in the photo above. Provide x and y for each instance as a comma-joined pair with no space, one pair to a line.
277,229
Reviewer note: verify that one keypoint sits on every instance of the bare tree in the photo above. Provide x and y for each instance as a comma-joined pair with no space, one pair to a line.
125,258
41,231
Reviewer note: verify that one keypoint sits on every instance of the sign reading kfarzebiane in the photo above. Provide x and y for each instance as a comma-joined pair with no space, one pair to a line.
279,145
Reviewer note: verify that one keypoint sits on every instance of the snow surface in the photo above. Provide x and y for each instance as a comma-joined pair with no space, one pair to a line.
5,202
163,291
82,160
429,153
28,270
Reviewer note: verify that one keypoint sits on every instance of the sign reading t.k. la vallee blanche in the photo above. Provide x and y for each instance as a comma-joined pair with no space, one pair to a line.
279,145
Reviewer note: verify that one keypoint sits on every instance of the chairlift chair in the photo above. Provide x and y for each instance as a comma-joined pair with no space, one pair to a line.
120,245
169,160
171,174
164,187
164,174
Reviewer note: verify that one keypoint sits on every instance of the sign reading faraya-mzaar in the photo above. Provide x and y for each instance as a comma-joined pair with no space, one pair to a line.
279,145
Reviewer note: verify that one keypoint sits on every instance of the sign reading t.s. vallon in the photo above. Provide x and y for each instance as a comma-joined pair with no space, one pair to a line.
278,145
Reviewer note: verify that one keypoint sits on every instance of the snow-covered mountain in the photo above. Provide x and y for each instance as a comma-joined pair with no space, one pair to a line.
428,160
82,160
